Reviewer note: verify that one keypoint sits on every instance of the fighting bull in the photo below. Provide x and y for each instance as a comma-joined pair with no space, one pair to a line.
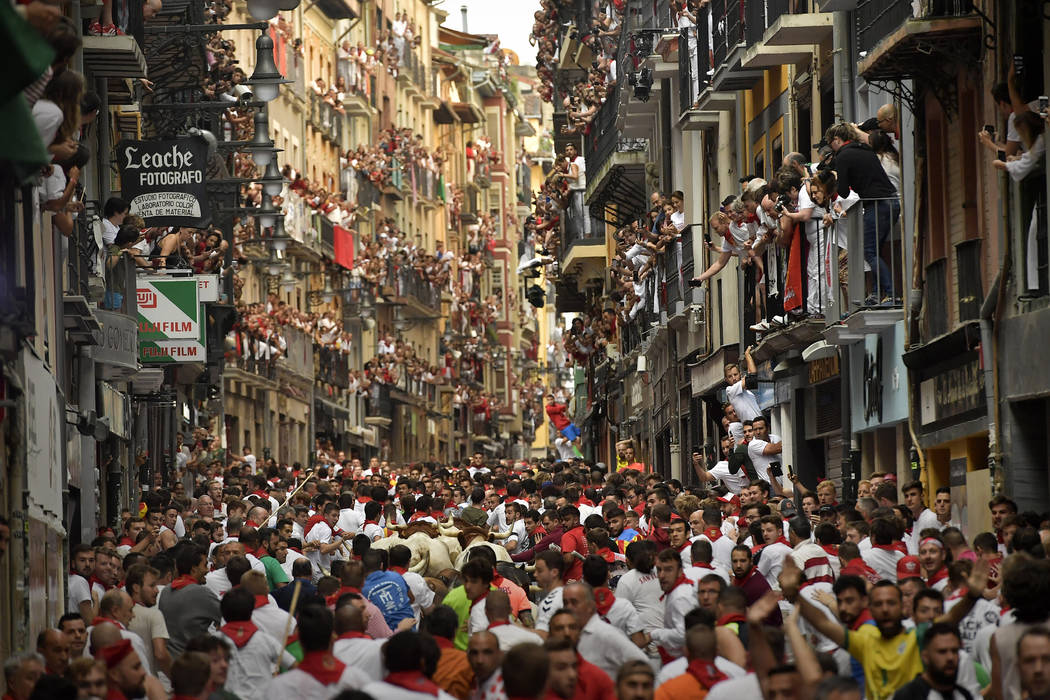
437,548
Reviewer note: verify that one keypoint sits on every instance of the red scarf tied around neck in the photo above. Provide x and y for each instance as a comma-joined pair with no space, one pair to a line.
712,533
413,681
324,667
681,579
239,632
603,600
706,673
182,581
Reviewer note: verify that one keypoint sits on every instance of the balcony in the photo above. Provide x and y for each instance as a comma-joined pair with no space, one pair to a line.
356,98
340,9
779,35
118,56
332,367
413,73
396,184
729,41
379,409
896,44
423,183
245,362
575,20
405,285
326,118
173,63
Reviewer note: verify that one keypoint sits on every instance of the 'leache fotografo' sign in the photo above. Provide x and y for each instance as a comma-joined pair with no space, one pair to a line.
165,180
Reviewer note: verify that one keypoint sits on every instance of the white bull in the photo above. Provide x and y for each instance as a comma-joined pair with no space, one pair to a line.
430,555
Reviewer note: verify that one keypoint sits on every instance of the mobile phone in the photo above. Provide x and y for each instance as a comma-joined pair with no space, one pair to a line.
990,130
1001,155
791,472
1018,63
776,470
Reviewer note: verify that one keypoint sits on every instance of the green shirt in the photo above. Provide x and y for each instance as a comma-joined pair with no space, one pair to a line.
275,573
457,600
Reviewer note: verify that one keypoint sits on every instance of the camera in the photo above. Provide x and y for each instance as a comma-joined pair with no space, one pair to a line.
783,204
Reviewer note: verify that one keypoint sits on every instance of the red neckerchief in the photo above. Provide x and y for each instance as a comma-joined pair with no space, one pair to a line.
261,552
354,635
940,575
100,620
126,541
830,549
862,619
857,567
363,500
584,501
260,493
251,523
497,623
893,547
483,596
497,580
314,519
781,540
606,554
604,599
399,569
413,681
678,582
182,581
417,516
730,619
261,601
371,522
324,667
712,533
240,632
742,580
439,514
95,579
685,545
444,643
705,672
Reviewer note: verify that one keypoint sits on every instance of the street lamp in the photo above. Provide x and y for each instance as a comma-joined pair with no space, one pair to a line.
261,146
278,238
263,9
267,213
266,80
287,281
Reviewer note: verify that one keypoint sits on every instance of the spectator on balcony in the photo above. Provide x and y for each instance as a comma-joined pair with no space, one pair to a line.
858,168
113,213
826,235
398,28
57,114
1008,98
1032,160
881,142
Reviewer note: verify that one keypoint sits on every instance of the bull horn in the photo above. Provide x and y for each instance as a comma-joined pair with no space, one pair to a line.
530,568
501,535
449,531
396,527
448,523
535,589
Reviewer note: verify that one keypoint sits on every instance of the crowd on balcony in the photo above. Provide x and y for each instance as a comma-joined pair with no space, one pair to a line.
600,38
259,335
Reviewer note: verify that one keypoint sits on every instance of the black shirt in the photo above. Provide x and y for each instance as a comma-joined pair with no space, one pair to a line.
858,168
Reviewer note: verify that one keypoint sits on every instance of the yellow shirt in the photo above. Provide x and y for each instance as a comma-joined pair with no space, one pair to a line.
888,663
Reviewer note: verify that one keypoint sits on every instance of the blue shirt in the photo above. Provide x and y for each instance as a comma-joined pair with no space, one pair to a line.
388,591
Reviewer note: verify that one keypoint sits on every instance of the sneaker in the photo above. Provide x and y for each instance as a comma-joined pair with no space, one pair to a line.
95,29
760,327
111,30
889,302
778,321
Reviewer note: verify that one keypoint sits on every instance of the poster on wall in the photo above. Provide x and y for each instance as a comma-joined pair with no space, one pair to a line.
164,181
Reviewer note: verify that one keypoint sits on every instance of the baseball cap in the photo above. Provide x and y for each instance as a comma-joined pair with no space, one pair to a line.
908,567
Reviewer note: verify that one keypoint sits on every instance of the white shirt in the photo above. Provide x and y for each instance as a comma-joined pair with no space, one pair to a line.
385,691
721,551
606,647
79,591
623,616
772,561
136,642
363,654
736,689
927,520
218,582
423,596
322,534
510,635
148,623
272,620
478,620
762,461
883,561
551,603
350,521
580,183
696,573
743,400
643,592
372,531
734,482
984,615
251,666
671,636
302,686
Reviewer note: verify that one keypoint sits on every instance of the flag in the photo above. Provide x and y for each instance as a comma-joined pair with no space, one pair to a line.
344,247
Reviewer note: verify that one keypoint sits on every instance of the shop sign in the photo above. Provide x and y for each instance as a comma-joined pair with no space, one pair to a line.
953,392
207,288
119,347
169,318
164,181
879,394
824,369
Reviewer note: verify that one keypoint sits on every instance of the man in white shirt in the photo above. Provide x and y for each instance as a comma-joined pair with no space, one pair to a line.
764,450
147,621
326,543
775,548
350,521
353,646
738,389
254,653
117,608
735,482
600,643
640,586
83,567
405,680
679,598
706,525
497,610
319,675
924,517
422,596
113,213
550,568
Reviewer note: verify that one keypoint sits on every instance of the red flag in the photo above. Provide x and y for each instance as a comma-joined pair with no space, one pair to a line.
793,284
344,247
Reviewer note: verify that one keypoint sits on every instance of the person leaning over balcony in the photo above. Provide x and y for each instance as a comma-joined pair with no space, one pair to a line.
858,169
720,224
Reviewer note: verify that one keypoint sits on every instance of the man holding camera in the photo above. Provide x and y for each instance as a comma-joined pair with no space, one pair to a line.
764,450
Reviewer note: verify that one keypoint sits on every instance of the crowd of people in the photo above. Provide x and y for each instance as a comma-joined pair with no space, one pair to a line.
561,579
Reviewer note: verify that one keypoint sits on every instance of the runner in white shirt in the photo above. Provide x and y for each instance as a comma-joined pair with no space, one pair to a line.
327,543
679,598
497,610
600,643
706,525
924,517
776,547
254,653
353,646
549,571
764,450
640,587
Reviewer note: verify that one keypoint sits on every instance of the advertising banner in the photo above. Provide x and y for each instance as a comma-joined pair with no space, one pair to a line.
165,180
170,327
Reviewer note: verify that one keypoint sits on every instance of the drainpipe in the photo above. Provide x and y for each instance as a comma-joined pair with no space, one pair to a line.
991,374
841,59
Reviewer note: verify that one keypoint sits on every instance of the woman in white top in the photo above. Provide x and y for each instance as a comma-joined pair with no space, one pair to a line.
882,144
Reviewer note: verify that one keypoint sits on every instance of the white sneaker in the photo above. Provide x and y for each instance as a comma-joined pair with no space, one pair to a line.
760,327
